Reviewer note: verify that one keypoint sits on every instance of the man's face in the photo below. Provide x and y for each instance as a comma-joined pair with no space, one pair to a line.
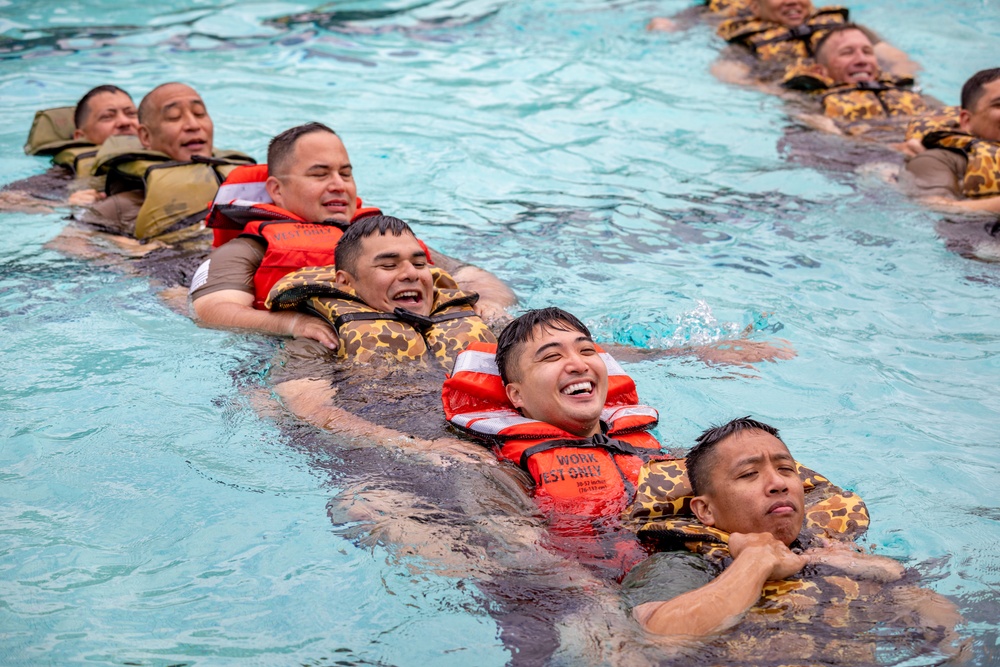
849,57
983,120
108,114
178,123
789,13
754,488
559,378
392,272
318,183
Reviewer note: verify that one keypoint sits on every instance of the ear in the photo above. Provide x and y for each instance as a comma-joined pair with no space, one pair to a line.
343,278
273,187
754,7
144,136
964,117
513,390
78,134
702,508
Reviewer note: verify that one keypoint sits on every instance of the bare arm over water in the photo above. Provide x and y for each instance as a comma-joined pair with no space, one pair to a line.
718,605
495,297
233,309
740,352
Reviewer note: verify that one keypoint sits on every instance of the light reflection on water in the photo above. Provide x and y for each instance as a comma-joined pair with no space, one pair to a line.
150,514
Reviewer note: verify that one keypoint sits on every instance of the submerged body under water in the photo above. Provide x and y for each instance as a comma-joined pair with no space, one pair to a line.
159,508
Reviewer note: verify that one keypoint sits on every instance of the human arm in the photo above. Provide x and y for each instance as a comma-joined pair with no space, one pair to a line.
233,309
894,61
740,352
223,297
495,297
845,557
757,558
935,177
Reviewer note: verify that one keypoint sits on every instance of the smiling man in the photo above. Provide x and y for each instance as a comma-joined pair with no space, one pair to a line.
851,85
751,512
156,188
311,183
385,300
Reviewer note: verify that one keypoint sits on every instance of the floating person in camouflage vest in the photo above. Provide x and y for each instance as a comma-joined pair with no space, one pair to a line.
960,170
769,562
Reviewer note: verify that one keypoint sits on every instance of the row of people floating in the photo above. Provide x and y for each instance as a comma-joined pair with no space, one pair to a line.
856,84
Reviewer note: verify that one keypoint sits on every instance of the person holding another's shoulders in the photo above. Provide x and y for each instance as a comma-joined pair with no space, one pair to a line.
748,517
311,184
960,169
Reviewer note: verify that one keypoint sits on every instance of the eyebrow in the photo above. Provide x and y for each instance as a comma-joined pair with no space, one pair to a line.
750,460
323,165
396,255
585,339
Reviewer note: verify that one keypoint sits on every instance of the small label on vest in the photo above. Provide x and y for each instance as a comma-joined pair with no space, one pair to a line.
200,276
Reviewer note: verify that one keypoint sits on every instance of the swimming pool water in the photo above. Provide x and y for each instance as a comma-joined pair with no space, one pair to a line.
154,513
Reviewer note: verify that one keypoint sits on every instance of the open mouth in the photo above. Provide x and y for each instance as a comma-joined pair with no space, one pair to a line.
409,298
194,145
583,388
861,75
794,14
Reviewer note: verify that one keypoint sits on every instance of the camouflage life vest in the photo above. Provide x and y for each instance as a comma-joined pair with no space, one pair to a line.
982,174
862,101
662,514
177,194
768,40
938,120
728,7
400,335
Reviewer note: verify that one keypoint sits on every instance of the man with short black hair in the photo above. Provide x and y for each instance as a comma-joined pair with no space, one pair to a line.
749,504
312,186
961,169
103,112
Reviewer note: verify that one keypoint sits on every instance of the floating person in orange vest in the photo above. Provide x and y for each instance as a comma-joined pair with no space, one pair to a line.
960,168
553,403
550,401
313,197
748,520
157,186
72,137
854,93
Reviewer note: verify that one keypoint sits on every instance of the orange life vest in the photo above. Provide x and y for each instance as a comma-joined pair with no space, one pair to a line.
242,198
592,477
292,244
583,485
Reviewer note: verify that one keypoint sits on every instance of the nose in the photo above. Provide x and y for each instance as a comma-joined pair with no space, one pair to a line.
336,183
776,482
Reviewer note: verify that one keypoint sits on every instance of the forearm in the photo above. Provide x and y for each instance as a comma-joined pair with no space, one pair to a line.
217,310
711,608
858,565
895,61
977,205
488,286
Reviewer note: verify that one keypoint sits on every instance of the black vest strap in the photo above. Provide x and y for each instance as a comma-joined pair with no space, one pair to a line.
599,441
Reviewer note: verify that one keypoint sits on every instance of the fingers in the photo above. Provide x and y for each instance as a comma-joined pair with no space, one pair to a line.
316,329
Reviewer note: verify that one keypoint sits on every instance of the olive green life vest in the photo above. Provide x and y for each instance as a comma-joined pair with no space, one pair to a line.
52,131
78,159
177,194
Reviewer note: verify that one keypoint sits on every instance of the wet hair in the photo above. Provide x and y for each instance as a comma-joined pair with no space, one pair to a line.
843,27
279,151
973,88
83,106
349,246
700,459
521,330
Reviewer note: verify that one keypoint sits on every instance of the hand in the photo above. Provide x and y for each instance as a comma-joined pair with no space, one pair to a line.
307,326
745,352
491,313
910,147
769,552
661,23
86,197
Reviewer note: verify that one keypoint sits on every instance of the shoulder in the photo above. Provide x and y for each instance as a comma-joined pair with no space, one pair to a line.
230,266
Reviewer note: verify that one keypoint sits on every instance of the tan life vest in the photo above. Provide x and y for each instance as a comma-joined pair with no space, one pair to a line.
52,131
982,173
366,332
177,194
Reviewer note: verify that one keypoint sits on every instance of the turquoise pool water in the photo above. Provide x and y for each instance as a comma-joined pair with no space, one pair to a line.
152,513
